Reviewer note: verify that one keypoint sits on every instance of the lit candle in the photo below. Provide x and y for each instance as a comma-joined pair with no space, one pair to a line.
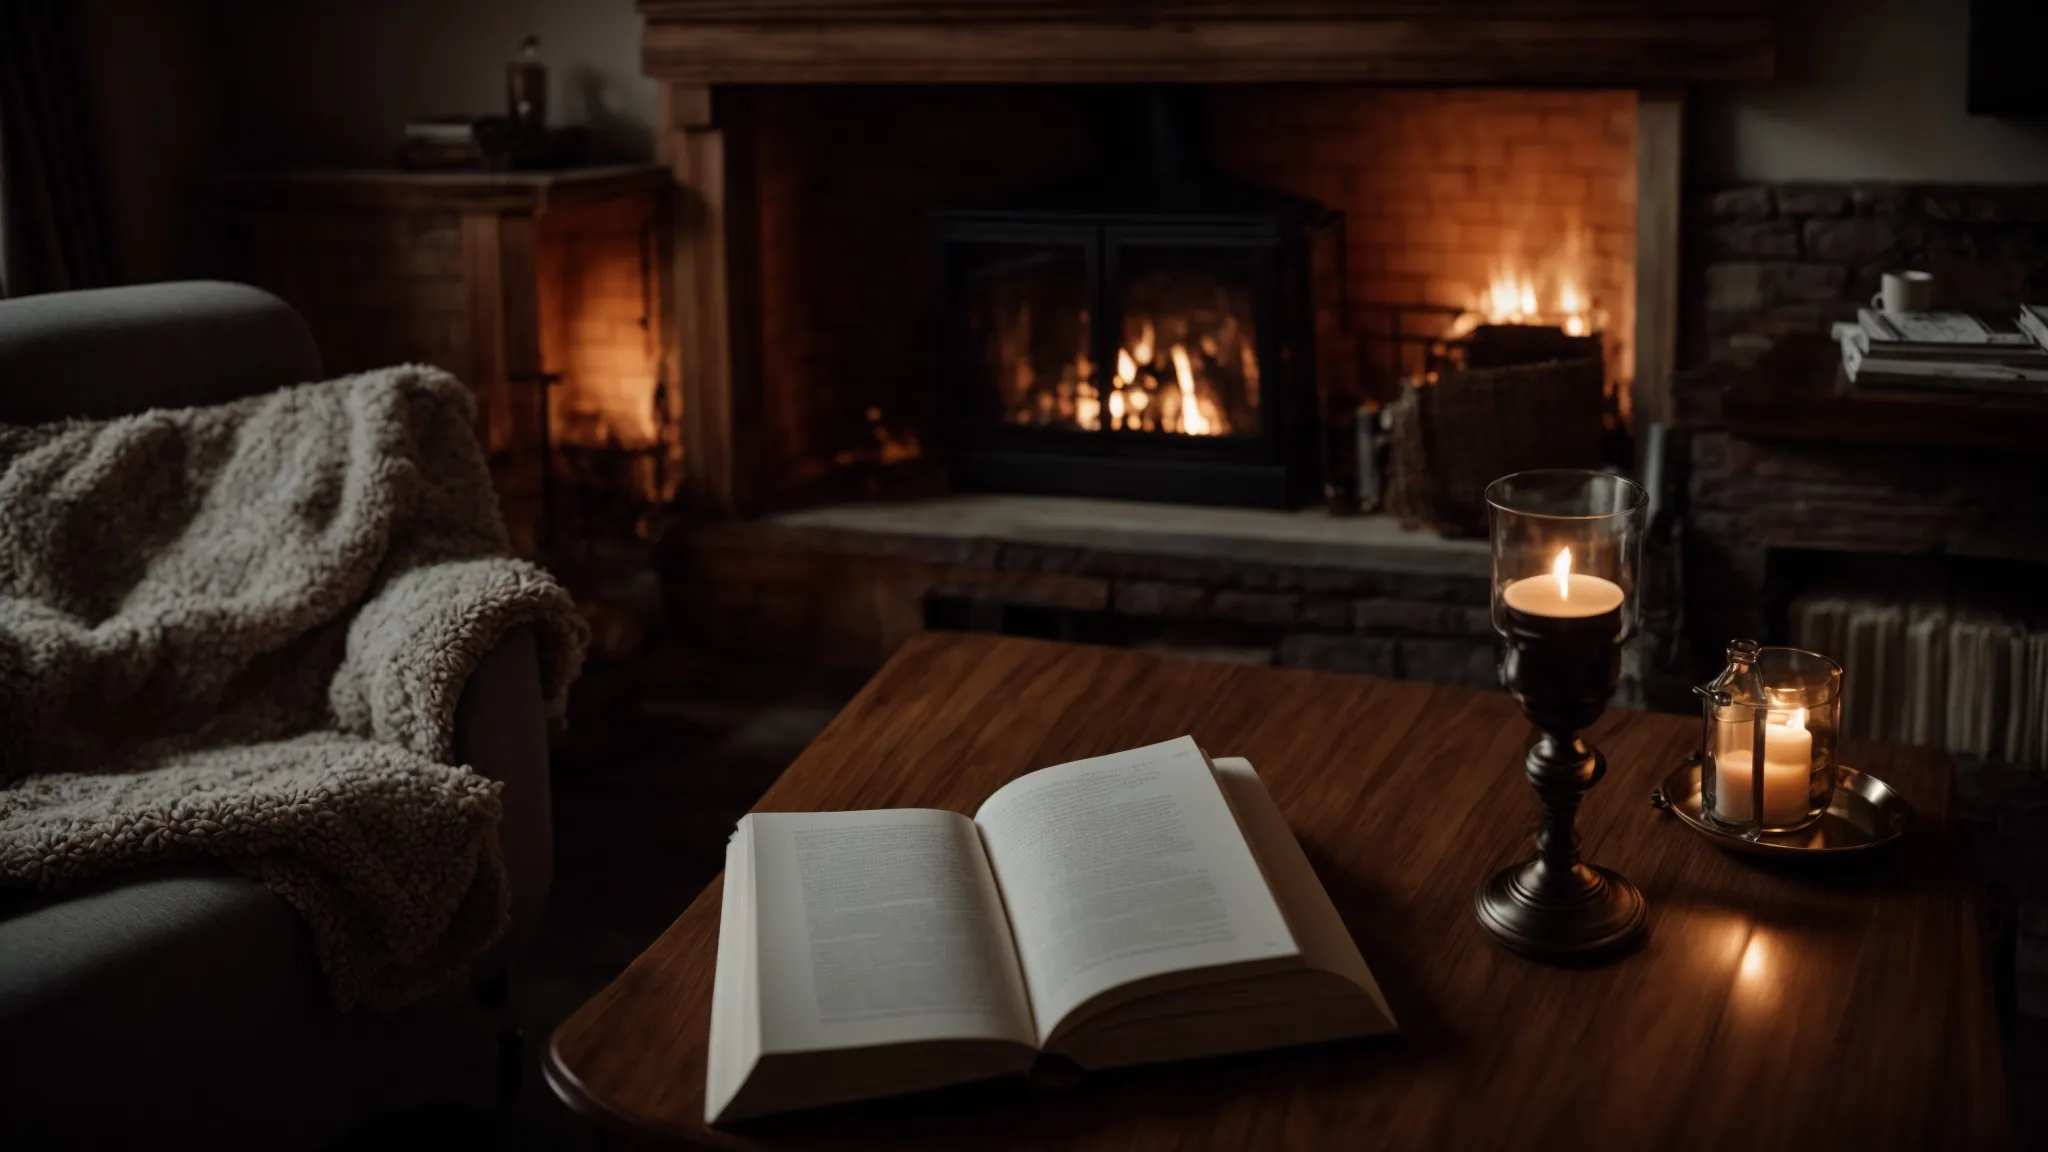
1564,593
1788,770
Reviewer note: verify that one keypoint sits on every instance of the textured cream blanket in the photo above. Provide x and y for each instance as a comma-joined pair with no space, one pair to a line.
240,633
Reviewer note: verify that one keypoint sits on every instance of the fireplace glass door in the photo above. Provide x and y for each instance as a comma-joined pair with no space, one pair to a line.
1187,355
1124,357
1025,322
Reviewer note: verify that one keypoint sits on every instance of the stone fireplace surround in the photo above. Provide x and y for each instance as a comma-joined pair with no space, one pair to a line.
835,581
1441,193
712,55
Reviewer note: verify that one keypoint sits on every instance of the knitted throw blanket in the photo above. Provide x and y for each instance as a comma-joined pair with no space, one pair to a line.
240,633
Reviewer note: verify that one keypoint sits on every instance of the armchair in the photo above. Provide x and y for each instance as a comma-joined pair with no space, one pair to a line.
188,1002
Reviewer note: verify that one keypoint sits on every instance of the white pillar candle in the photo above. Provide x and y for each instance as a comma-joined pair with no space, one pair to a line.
1563,593
1788,770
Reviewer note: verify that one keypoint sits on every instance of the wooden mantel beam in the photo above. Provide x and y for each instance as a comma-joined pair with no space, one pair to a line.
1587,43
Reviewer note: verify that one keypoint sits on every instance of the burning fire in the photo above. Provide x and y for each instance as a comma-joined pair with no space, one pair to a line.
1573,306
1512,297
890,447
1193,421
1157,386
1552,291
1537,289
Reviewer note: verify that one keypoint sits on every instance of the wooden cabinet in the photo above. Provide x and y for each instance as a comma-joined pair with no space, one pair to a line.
539,290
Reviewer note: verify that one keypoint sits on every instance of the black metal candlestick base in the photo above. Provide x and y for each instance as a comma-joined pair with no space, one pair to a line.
1561,672
1554,907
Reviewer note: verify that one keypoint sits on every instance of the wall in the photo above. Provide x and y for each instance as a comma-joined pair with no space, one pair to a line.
150,87
1867,90
331,82
180,91
1765,261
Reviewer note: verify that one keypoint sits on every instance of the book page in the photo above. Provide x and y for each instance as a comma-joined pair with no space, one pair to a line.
880,928
1959,328
732,1049
1318,928
1124,867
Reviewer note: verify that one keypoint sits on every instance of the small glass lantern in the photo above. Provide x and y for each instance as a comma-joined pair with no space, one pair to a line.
1767,750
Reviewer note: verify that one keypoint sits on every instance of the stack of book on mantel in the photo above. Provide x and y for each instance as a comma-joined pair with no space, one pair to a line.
445,143
1967,351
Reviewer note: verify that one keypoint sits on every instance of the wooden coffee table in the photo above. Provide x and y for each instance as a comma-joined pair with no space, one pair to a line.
1838,1007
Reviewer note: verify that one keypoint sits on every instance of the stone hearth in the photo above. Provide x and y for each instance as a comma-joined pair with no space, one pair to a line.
847,583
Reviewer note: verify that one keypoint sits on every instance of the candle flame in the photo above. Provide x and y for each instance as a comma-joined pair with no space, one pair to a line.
1562,569
1792,720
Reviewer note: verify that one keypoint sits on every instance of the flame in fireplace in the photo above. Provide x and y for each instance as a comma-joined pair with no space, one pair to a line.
1572,305
1193,420
1526,286
1168,386
1513,296
890,446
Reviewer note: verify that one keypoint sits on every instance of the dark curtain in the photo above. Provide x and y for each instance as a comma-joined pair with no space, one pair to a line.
53,221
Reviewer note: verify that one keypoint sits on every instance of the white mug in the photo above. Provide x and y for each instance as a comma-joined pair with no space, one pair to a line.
1905,292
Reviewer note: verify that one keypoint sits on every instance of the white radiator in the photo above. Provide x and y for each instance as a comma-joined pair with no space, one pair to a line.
1965,678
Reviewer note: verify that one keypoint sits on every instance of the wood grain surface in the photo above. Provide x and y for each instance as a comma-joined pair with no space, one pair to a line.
1612,42
1797,391
1838,1007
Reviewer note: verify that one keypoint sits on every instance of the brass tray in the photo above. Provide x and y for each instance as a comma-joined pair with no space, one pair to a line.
1866,814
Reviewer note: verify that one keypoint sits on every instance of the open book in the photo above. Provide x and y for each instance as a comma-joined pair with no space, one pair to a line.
1132,908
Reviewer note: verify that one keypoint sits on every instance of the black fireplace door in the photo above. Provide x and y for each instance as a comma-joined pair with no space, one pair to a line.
1121,359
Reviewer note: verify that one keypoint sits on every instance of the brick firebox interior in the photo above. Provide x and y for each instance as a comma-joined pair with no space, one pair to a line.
1509,203
599,330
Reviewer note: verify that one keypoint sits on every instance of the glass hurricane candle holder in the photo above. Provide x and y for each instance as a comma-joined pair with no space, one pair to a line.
1767,748
1566,547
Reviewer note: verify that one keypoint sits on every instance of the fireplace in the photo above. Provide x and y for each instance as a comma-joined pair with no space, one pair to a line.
815,151
1148,334
1511,163
538,289
1288,223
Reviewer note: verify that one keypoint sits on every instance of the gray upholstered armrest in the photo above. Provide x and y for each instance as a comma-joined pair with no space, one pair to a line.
117,351
501,731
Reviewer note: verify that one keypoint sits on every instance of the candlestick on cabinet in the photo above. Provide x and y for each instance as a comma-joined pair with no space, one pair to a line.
1566,545
1767,750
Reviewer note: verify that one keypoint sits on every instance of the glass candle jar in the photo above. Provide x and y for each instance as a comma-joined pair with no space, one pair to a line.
1566,545
1767,748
